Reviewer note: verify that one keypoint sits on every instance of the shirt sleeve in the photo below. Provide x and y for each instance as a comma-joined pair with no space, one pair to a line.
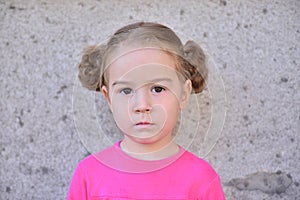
213,191
77,189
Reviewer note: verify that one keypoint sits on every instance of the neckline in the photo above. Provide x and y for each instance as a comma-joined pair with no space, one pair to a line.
114,158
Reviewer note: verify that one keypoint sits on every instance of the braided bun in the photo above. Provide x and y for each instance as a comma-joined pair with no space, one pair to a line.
195,65
90,67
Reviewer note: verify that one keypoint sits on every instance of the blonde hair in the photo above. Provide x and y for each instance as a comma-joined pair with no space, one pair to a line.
191,60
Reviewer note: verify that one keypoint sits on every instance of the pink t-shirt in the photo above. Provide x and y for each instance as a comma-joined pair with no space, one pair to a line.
113,175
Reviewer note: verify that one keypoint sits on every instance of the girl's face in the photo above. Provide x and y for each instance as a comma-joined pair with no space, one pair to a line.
145,94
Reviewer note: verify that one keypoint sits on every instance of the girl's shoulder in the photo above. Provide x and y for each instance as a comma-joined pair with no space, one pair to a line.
94,159
197,165
194,170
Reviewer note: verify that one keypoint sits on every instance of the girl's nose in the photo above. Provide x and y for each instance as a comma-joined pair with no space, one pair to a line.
141,102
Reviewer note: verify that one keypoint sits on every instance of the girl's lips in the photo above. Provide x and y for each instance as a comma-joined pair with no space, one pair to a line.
143,123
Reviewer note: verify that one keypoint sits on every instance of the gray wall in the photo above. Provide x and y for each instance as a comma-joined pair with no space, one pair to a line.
255,47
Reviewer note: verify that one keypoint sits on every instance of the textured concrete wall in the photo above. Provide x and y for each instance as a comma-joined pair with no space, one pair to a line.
255,46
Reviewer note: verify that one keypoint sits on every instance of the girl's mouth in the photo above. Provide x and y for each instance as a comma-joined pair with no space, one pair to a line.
143,123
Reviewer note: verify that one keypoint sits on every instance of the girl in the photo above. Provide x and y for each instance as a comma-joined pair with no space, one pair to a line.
146,76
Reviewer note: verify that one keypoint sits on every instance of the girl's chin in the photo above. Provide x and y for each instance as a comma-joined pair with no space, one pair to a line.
147,139
142,140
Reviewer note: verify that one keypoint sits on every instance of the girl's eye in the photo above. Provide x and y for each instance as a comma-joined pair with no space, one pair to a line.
126,91
157,89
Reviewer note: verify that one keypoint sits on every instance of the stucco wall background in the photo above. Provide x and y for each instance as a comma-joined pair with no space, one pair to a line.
255,46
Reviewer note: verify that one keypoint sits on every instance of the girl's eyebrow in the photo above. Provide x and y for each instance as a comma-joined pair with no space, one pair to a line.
151,81
121,82
160,80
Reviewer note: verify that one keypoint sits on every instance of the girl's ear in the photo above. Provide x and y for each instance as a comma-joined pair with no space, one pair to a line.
104,91
186,92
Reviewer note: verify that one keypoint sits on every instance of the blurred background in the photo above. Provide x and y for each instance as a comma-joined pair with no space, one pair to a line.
255,46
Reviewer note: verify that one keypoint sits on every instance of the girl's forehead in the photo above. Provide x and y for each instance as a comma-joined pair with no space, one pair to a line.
142,56
141,64
144,74
139,58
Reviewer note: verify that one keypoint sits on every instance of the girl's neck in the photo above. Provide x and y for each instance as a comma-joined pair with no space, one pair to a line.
153,151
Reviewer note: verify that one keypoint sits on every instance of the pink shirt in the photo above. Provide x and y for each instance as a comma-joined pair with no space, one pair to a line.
113,175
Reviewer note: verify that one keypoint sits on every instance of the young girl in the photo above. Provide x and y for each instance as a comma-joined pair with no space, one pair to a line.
146,76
